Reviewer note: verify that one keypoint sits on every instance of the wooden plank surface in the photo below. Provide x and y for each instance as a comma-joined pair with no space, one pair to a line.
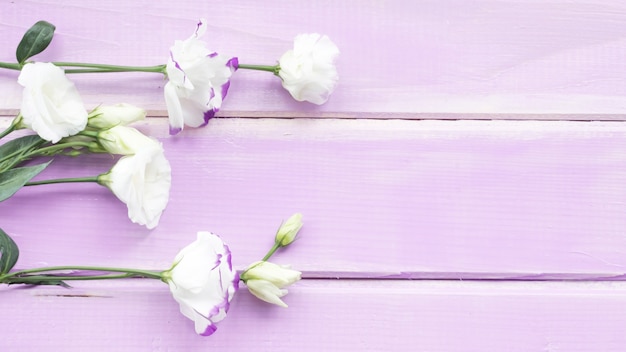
424,230
327,315
398,56
412,199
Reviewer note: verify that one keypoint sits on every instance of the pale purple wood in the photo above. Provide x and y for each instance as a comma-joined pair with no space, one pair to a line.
326,315
385,199
402,56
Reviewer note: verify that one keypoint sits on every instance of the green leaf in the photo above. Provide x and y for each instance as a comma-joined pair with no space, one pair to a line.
35,40
8,253
18,147
14,179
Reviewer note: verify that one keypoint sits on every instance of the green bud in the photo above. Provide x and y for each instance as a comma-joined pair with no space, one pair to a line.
287,232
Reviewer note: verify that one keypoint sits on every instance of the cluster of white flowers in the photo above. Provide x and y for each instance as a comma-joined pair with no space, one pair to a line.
202,279
53,109
199,78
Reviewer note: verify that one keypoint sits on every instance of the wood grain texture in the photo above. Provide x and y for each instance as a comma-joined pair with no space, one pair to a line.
384,199
398,56
326,315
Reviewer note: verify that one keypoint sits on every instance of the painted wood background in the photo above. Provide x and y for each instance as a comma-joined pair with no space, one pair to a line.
463,190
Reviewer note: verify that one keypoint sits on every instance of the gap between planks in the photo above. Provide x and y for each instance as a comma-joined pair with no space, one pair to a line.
9,113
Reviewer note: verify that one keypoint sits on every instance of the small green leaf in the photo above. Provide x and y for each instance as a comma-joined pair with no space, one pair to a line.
47,282
14,179
18,147
35,40
8,253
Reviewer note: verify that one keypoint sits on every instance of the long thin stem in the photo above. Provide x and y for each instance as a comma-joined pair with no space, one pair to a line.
50,150
93,68
135,272
109,68
63,180
271,251
274,69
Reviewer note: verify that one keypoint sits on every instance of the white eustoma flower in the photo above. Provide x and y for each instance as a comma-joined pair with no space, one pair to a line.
308,70
288,230
108,116
267,281
203,282
51,105
198,81
142,181
124,140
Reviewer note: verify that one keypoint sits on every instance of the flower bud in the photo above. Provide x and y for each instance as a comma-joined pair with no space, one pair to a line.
108,116
288,230
267,281
124,140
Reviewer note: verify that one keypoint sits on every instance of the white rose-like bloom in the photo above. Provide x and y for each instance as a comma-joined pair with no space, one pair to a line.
198,81
267,281
51,105
142,181
308,70
203,282
124,140
108,116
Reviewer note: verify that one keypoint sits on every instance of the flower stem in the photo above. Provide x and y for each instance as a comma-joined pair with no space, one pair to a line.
12,127
63,180
11,66
274,69
271,252
55,148
92,68
39,276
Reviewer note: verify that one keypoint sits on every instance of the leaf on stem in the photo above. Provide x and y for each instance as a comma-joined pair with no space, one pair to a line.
41,282
18,147
14,179
35,40
8,253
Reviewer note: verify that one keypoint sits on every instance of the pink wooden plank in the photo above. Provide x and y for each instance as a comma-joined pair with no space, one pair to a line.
326,315
412,199
402,56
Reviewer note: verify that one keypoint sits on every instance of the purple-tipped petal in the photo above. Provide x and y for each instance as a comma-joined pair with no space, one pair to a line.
200,79
175,130
207,116
233,63
210,329
195,265
225,89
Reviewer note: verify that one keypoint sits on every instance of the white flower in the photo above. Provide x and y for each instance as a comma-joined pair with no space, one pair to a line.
109,116
288,230
203,282
198,81
124,140
142,181
267,280
308,71
51,105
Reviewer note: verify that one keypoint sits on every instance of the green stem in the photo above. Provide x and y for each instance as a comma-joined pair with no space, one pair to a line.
274,69
11,66
271,252
55,148
133,272
91,68
12,127
63,180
